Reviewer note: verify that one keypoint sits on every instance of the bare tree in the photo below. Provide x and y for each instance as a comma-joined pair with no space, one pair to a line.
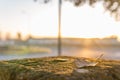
110,5
19,36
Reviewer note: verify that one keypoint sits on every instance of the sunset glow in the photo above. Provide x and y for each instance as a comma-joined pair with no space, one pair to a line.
32,18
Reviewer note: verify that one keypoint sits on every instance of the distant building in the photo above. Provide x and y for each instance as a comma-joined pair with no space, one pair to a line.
46,41
107,41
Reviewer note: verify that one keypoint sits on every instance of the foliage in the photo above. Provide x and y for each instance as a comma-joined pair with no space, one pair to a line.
113,6
24,49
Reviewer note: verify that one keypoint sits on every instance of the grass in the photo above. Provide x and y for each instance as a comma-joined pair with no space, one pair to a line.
25,49
51,68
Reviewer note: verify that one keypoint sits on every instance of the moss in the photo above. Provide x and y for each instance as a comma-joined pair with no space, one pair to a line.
51,68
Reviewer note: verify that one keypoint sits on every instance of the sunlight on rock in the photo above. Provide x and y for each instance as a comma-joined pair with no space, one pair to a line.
83,63
60,60
81,70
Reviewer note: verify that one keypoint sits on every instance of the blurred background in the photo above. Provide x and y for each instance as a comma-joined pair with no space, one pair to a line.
29,29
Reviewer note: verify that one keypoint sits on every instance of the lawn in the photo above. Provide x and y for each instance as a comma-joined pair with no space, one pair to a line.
24,49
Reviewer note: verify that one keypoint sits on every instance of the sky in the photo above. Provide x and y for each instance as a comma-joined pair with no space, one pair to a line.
29,17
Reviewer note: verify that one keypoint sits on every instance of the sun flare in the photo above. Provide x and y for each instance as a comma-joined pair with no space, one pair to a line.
42,21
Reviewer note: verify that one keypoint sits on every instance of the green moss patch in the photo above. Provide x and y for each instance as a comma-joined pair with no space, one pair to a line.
57,68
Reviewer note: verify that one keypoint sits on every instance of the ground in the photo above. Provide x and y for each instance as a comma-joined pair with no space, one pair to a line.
58,68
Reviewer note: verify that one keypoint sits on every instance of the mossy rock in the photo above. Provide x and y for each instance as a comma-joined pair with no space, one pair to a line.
57,68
